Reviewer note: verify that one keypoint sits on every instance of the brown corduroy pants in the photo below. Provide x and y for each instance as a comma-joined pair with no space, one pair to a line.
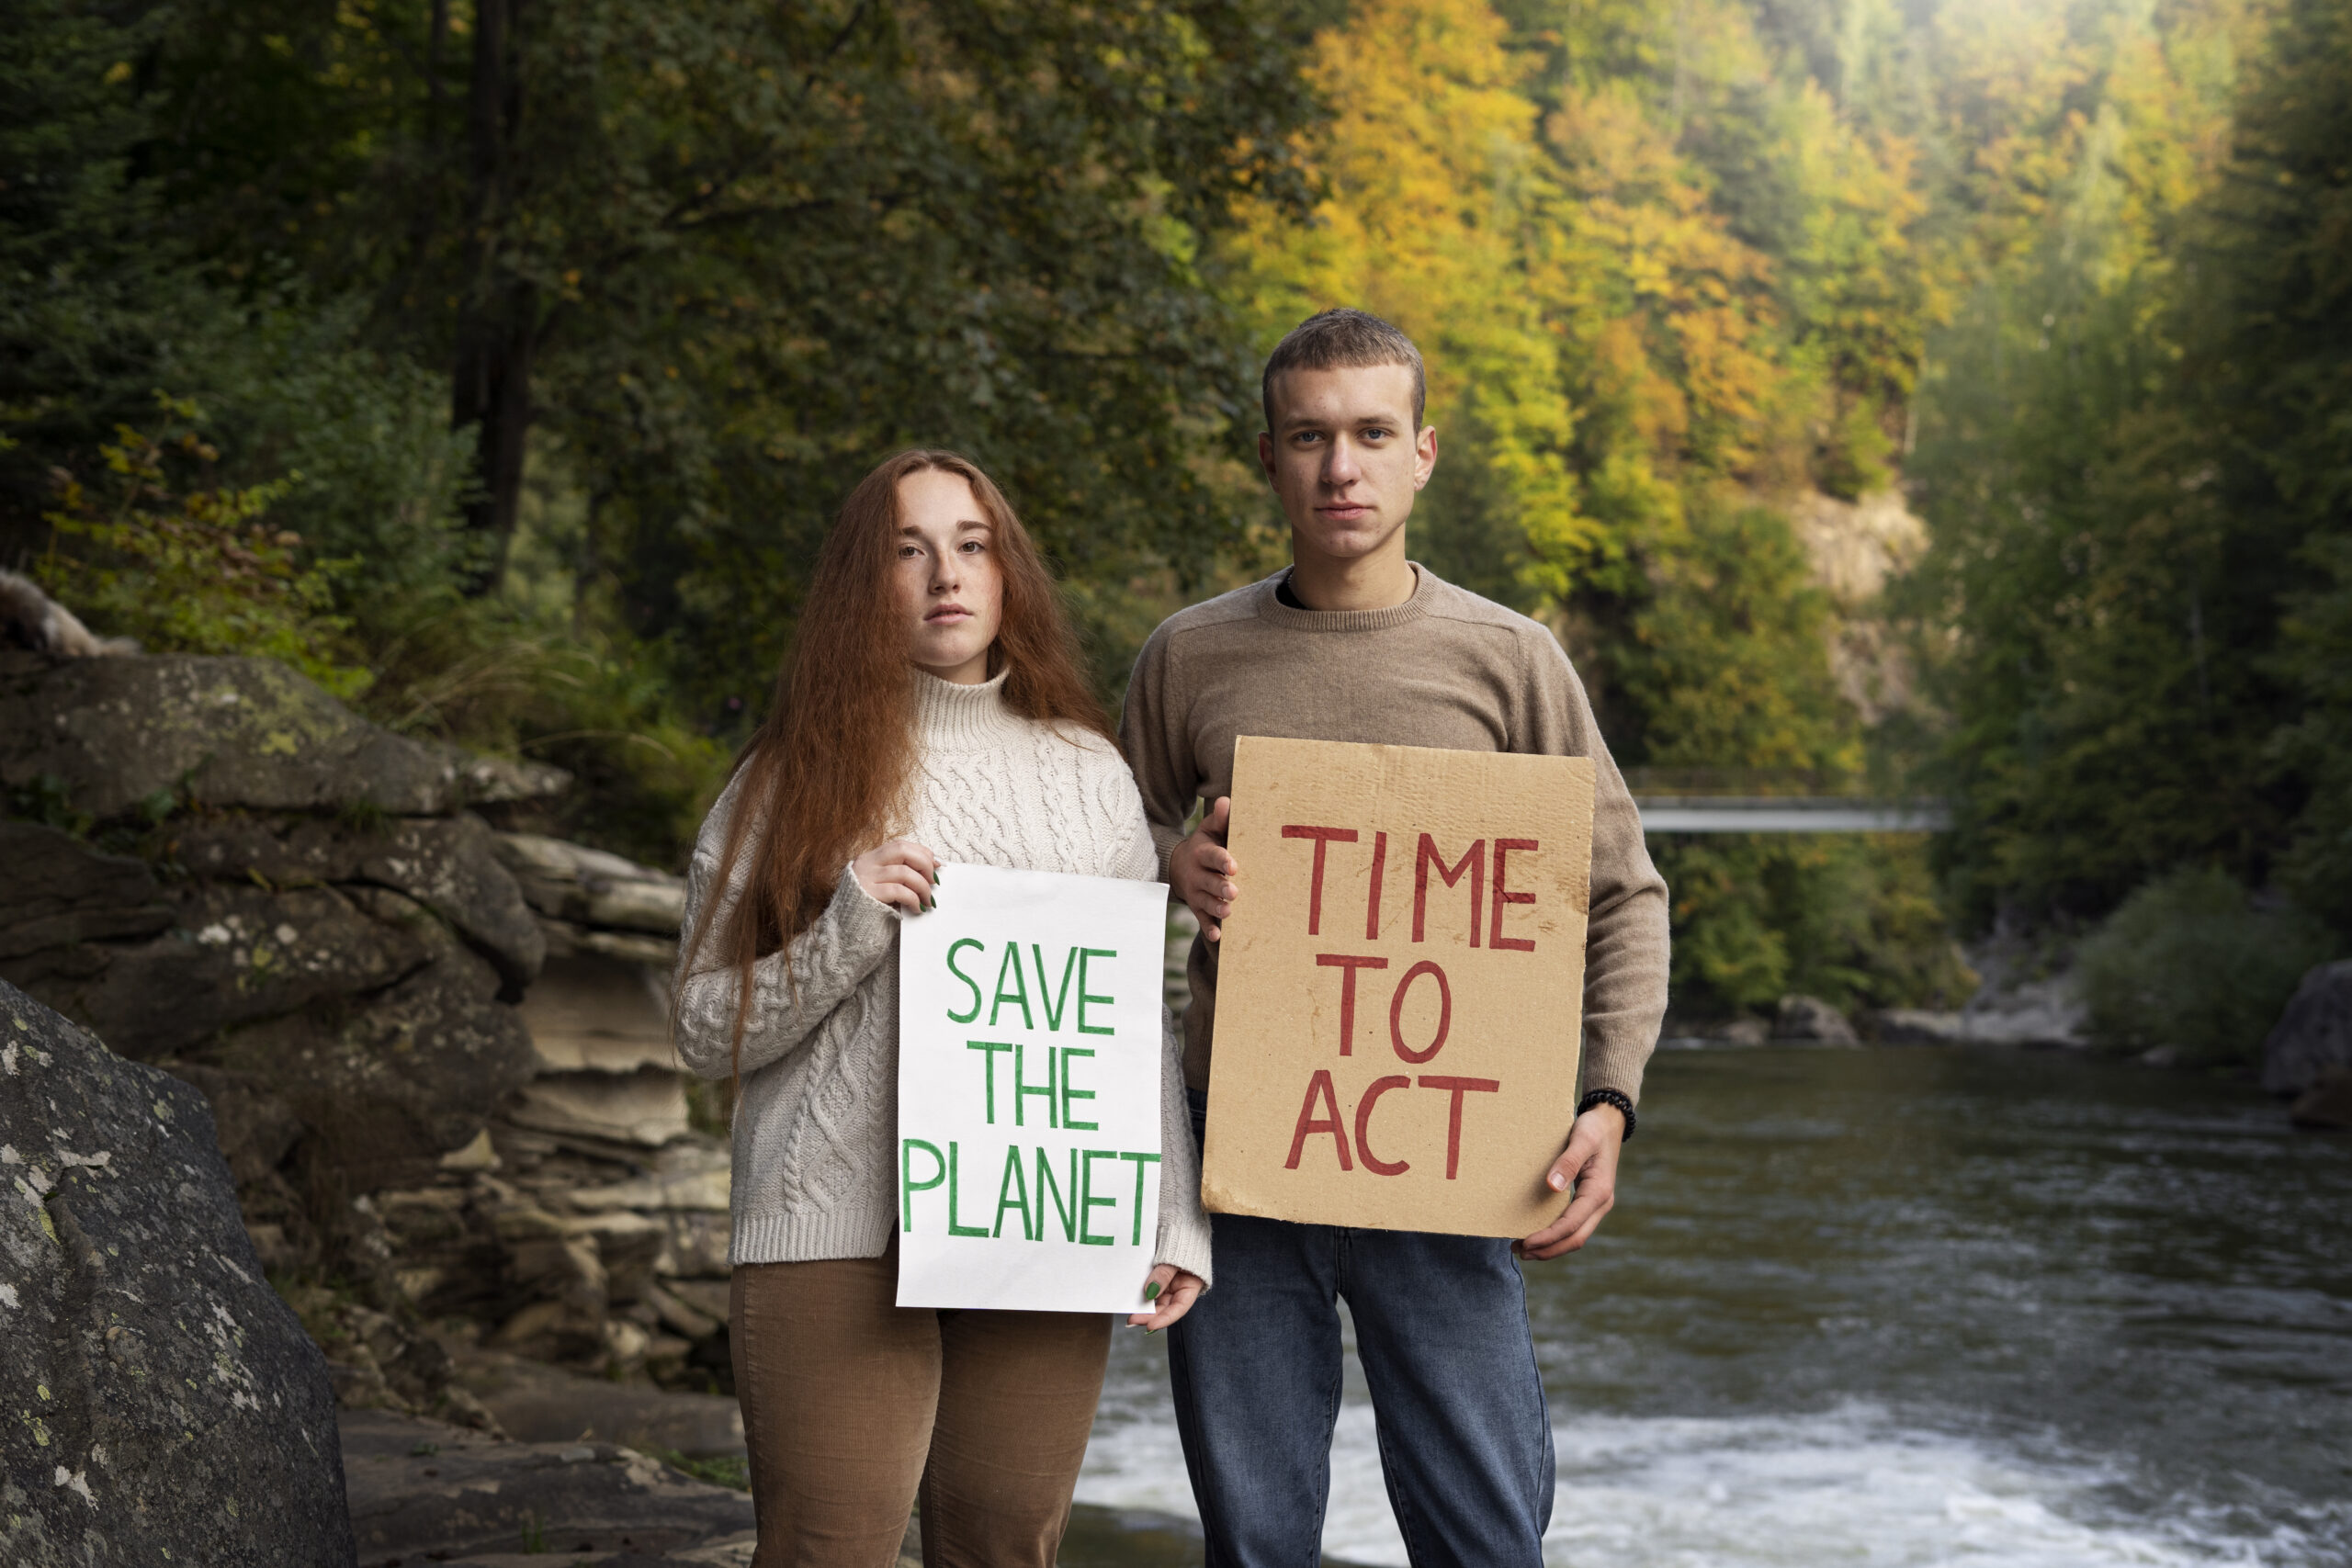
853,1406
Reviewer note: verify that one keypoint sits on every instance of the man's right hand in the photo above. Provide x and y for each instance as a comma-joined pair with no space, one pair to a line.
1202,872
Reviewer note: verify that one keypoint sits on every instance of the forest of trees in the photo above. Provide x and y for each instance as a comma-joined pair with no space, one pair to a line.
499,363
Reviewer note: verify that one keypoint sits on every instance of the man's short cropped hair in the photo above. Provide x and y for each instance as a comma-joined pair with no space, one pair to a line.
1342,339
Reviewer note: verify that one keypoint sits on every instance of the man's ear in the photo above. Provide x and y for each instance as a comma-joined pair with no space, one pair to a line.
1424,455
1266,454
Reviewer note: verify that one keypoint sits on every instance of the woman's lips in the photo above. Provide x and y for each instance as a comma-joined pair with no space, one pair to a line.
947,612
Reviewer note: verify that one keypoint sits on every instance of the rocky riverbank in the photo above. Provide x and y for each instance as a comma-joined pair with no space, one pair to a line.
434,1049
437,1053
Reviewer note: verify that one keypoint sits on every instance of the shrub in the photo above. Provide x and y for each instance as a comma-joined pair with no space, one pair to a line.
1852,919
198,571
2188,962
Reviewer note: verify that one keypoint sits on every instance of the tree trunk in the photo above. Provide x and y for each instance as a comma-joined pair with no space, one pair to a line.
499,322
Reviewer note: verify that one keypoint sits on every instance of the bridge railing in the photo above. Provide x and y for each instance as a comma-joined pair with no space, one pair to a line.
1789,813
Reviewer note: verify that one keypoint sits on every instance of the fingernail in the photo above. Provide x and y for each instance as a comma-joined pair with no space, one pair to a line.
1558,1181
1151,1291
934,877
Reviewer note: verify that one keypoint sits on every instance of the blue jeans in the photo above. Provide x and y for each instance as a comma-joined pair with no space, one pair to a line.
1465,1442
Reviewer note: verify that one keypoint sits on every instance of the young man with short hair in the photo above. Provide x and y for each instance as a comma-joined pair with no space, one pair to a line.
1355,642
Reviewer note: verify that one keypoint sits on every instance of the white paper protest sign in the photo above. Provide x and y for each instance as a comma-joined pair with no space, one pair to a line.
1029,1067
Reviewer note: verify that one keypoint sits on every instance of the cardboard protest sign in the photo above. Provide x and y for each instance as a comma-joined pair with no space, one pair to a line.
1400,986
1029,1066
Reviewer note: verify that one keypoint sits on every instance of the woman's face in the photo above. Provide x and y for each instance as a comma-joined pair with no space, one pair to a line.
947,584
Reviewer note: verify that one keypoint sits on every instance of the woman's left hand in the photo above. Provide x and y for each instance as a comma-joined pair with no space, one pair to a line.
1178,1292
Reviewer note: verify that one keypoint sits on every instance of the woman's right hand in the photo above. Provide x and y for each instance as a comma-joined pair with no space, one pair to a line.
901,874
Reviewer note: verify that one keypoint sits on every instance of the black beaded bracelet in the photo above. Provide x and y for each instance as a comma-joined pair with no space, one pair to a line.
1610,1097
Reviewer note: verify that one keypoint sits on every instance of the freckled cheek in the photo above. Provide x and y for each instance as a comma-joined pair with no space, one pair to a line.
991,597
907,590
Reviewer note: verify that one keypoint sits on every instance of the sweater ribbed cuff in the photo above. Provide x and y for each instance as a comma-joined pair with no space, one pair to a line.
771,1236
1184,1242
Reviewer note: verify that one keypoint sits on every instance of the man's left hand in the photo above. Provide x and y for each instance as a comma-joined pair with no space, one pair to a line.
1589,1165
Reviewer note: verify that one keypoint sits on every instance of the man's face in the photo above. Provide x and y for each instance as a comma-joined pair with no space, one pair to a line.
1344,457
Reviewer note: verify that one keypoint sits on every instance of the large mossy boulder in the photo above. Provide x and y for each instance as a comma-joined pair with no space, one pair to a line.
162,1406
236,733
224,732
2314,1034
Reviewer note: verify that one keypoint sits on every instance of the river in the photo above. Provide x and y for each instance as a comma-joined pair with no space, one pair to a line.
1901,1307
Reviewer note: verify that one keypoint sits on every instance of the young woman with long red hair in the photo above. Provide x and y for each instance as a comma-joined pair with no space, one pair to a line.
933,709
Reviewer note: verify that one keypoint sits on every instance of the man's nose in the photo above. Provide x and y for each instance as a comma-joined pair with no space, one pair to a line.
1340,468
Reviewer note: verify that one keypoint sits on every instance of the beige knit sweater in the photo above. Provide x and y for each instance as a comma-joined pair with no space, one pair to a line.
1445,669
817,1123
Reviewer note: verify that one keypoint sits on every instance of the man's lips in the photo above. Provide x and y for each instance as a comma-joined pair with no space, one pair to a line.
1344,510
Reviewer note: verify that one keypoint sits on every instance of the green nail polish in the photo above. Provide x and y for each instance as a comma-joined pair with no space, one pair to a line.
1151,1291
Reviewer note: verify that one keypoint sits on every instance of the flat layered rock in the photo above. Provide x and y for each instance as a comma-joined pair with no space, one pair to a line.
423,1491
592,888
447,864
60,891
601,1015
544,1403
647,1108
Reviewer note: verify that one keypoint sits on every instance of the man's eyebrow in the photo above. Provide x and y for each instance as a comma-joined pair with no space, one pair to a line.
1311,422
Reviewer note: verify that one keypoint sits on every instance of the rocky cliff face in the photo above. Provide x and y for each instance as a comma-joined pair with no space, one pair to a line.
1857,548
274,901
588,1226
163,1404
437,1056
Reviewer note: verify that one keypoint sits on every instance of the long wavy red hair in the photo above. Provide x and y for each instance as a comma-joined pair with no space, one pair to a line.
824,778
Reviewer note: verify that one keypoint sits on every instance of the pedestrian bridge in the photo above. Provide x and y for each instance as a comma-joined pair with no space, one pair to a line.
1789,813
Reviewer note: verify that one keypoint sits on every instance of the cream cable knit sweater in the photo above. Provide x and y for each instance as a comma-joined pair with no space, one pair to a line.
817,1123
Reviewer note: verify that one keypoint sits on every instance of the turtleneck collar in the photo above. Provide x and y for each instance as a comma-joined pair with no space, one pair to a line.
949,717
